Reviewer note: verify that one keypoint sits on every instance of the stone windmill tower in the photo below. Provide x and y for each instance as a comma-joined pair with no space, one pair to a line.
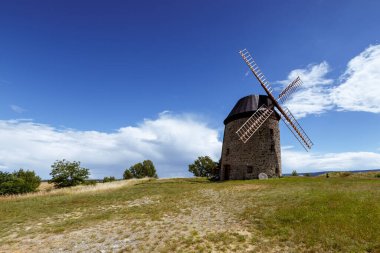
251,143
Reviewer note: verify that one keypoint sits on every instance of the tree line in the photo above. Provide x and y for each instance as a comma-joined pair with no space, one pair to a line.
65,174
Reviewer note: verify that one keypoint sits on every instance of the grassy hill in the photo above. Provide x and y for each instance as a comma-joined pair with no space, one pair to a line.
294,214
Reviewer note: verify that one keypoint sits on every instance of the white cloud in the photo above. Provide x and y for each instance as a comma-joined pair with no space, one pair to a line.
17,108
312,162
358,89
360,85
313,75
313,97
170,141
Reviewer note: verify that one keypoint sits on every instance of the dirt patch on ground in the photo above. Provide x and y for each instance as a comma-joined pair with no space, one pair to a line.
247,187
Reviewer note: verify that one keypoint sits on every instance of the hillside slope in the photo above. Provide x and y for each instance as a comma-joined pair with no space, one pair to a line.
194,215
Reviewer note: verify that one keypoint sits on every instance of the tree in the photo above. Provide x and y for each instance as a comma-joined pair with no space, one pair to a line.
294,173
137,170
203,166
127,174
18,182
108,179
140,170
66,174
149,169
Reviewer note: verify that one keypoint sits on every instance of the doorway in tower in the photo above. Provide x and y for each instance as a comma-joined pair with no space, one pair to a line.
227,170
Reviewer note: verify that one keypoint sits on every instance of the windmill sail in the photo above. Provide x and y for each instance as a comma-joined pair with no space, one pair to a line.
251,125
290,89
256,70
298,132
254,123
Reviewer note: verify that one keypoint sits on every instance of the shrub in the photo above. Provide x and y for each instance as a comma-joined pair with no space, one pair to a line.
66,174
294,173
140,170
345,174
90,182
203,166
307,175
377,175
108,179
18,182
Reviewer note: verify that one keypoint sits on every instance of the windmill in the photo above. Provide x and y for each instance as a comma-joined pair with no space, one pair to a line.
251,143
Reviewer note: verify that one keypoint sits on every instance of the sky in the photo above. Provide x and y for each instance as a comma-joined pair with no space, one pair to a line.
112,83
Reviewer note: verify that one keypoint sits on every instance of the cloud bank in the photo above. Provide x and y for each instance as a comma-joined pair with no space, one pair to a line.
170,141
313,162
358,89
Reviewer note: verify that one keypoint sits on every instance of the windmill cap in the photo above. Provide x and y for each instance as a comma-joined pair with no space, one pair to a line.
246,106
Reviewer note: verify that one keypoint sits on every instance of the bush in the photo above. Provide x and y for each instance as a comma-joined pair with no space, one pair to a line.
294,173
203,167
66,174
108,179
18,182
345,174
377,175
140,170
90,182
307,175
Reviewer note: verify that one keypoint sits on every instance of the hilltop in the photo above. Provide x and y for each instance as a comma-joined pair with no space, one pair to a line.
301,214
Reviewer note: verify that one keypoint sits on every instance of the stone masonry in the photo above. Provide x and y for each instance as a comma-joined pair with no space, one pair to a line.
261,153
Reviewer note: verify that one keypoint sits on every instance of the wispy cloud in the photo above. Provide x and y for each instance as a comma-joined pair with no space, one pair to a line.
171,141
17,108
313,97
357,89
311,162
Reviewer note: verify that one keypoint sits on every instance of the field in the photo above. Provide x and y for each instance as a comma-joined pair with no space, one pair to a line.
293,214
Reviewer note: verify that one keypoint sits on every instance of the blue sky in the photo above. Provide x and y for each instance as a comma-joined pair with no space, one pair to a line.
112,82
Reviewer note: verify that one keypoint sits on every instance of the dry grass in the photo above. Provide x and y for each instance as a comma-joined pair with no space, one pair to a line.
46,189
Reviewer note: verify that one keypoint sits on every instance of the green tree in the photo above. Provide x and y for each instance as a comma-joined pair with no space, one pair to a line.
294,173
66,174
127,174
140,170
108,179
203,166
18,182
137,170
149,169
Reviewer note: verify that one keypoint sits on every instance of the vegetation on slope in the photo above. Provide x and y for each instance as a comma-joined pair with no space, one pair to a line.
299,214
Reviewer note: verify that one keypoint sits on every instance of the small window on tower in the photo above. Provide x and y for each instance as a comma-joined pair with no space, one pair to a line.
227,151
249,169
272,148
271,132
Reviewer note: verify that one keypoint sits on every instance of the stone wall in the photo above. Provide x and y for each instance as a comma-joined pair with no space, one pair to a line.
261,153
